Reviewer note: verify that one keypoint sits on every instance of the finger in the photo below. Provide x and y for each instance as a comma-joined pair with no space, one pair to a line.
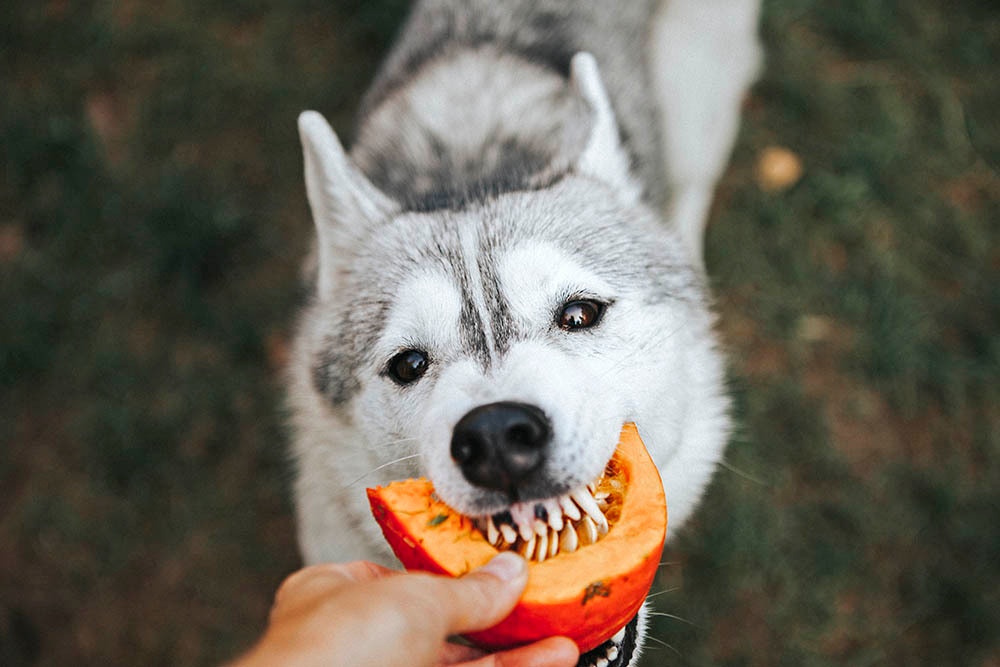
327,577
484,597
443,606
453,654
551,652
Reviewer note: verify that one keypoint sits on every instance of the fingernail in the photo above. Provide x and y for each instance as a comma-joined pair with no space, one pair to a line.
505,566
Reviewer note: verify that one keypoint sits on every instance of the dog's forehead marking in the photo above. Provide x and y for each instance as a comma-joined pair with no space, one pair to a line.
424,312
475,323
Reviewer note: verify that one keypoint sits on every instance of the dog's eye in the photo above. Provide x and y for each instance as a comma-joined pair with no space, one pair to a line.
407,366
580,314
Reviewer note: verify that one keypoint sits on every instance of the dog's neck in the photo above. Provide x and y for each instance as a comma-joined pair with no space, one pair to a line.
470,122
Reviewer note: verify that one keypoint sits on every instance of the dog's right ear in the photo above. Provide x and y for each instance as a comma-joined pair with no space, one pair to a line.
604,157
342,199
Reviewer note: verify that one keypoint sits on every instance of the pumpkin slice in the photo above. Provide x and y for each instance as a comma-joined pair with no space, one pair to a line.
587,594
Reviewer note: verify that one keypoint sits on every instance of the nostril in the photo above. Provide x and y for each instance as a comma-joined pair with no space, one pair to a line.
463,448
522,434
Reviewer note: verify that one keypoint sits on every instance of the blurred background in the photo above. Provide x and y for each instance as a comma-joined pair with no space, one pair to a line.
152,221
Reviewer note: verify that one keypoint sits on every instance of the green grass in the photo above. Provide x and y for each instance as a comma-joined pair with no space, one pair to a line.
151,224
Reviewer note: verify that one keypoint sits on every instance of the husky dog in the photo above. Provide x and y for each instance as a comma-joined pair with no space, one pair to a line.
508,266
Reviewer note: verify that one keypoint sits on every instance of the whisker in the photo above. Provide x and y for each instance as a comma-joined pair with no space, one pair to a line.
676,618
382,445
641,349
745,475
384,465
665,590
668,562
660,641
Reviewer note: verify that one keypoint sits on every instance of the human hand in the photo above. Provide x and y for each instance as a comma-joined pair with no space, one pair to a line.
360,613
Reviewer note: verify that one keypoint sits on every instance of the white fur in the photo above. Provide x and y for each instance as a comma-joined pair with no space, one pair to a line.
705,55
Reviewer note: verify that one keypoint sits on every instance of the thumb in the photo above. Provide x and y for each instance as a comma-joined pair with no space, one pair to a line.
484,597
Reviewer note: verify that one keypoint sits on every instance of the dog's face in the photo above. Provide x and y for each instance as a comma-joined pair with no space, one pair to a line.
509,340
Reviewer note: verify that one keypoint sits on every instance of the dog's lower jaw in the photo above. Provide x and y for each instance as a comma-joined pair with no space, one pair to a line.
617,651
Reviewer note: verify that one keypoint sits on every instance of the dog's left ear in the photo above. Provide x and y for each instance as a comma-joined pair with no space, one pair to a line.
344,202
603,158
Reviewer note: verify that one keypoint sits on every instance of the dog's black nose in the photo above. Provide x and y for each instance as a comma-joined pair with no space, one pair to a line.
499,444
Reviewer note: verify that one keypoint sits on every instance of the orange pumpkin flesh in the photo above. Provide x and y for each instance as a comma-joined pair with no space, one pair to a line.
586,595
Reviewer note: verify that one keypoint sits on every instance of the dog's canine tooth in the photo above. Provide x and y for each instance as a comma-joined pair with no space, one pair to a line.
587,504
568,541
569,508
553,542
492,534
619,636
587,530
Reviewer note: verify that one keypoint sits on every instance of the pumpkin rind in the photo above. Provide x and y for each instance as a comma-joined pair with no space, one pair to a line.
587,595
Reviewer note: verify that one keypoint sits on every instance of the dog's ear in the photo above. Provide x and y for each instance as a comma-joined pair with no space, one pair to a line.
603,157
342,199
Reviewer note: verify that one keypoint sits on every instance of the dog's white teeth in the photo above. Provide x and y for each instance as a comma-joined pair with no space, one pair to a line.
602,525
542,546
508,533
569,508
601,662
555,514
587,504
524,518
543,529
528,548
619,636
568,541
492,534
612,652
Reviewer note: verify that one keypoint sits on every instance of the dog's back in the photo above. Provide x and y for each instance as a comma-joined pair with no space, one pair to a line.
474,97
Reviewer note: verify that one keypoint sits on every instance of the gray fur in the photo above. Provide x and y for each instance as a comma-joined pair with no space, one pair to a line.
521,44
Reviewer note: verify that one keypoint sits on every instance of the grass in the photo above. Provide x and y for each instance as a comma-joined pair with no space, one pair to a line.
152,224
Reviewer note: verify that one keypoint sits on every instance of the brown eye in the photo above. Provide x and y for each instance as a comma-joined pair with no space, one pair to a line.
407,366
580,315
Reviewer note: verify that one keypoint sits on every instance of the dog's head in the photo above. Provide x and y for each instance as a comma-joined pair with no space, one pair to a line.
508,338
